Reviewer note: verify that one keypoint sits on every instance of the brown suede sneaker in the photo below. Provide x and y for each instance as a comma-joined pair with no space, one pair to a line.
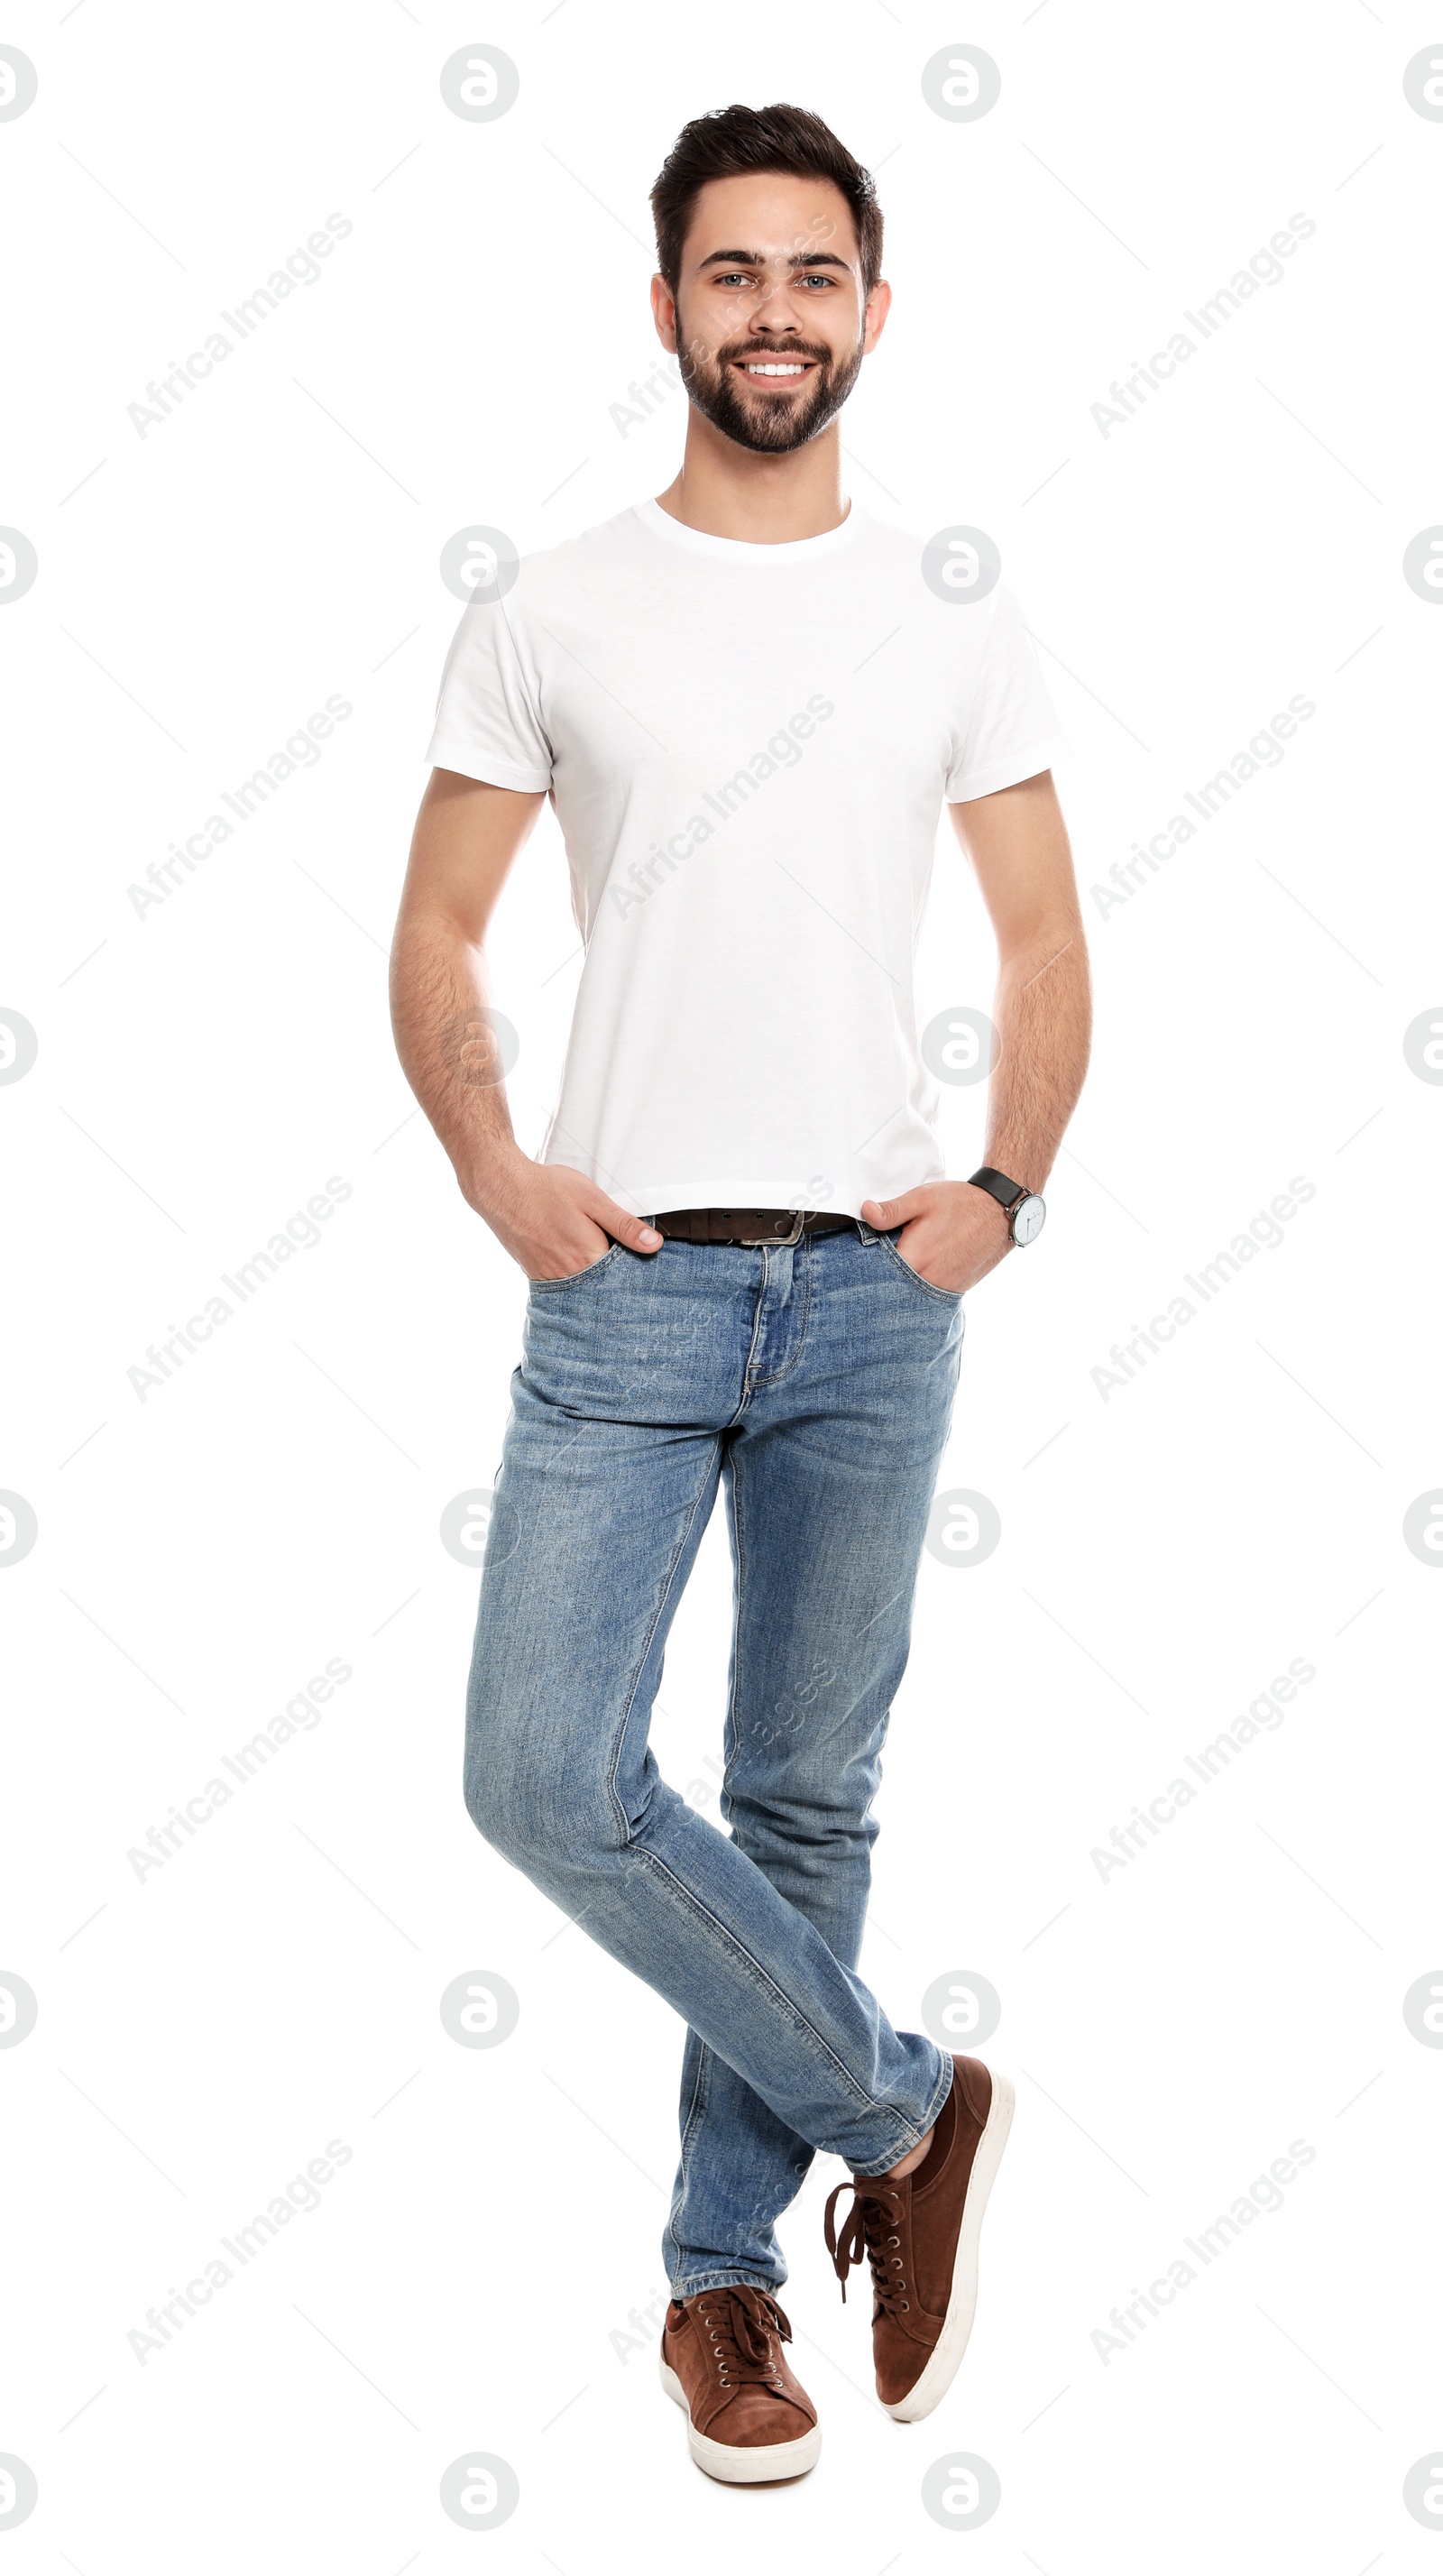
748,2419
920,2237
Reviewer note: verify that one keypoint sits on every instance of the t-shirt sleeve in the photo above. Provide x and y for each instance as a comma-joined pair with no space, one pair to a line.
487,724
1010,730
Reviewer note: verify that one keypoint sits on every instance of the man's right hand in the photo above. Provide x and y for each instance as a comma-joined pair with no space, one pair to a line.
554,1221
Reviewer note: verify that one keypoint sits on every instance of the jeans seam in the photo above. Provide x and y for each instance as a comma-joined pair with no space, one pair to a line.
623,1820
732,1696
748,1390
766,1984
764,1385
694,2111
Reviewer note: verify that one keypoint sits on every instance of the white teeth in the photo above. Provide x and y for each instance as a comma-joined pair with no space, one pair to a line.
774,371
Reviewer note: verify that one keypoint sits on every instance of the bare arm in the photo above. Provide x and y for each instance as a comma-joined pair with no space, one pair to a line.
1017,842
551,1219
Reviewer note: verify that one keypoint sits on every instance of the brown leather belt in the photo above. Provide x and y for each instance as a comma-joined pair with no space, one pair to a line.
747,1225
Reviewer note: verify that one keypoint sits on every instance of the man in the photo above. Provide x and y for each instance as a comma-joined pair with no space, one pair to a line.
747,703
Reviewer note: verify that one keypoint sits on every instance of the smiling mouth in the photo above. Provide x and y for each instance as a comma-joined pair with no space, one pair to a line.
774,371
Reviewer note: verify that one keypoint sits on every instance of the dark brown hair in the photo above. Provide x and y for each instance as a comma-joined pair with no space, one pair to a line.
734,140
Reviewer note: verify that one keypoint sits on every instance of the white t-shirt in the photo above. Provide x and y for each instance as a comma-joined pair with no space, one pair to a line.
747,748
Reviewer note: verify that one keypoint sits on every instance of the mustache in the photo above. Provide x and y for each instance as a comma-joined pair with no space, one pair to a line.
730,357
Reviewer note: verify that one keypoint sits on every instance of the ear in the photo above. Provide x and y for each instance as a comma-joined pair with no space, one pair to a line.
663,313
879,305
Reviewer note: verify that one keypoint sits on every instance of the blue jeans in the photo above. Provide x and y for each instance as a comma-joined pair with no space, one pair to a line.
815,1383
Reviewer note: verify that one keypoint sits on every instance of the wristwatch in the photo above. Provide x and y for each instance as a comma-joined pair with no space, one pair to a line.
1026,1213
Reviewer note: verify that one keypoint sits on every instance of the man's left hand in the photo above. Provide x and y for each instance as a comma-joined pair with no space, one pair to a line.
952,1234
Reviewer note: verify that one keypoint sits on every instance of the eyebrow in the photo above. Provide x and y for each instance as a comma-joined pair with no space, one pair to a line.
759,259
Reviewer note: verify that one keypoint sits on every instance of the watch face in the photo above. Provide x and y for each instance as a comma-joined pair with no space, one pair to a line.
1028,1219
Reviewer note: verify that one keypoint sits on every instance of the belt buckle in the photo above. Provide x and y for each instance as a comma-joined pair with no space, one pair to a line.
782,1241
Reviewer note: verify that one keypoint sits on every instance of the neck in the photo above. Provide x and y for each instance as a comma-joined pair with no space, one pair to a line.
730,491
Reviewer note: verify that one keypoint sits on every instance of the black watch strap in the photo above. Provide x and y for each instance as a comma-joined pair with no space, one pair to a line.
1007,1193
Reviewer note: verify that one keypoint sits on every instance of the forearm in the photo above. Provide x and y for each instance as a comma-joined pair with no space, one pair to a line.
1043,1016
552,1220
449,1054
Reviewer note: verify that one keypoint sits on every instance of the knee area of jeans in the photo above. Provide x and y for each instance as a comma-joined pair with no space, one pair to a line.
489,1815
801,1828
531,1822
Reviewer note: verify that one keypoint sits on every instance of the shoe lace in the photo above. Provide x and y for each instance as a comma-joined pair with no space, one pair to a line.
871,2229
741,2327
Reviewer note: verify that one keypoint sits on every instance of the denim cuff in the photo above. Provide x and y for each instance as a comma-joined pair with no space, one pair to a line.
927,2121
733,2280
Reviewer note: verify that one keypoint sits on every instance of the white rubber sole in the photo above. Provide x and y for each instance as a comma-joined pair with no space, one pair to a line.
739,2468
946,2356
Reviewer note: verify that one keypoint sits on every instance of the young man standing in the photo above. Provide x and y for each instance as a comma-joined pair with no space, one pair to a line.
747,702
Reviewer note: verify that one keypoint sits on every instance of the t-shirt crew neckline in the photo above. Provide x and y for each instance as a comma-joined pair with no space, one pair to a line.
699,541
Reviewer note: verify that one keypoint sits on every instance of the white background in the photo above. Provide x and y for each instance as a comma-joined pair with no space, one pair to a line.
205,1068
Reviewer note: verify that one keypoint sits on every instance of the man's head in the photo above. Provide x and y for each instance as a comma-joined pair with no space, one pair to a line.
769,246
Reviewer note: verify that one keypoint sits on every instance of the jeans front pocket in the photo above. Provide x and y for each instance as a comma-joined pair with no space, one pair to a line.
573,1278
951,1297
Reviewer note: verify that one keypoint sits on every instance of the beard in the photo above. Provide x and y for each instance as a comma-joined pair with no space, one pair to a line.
768,424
